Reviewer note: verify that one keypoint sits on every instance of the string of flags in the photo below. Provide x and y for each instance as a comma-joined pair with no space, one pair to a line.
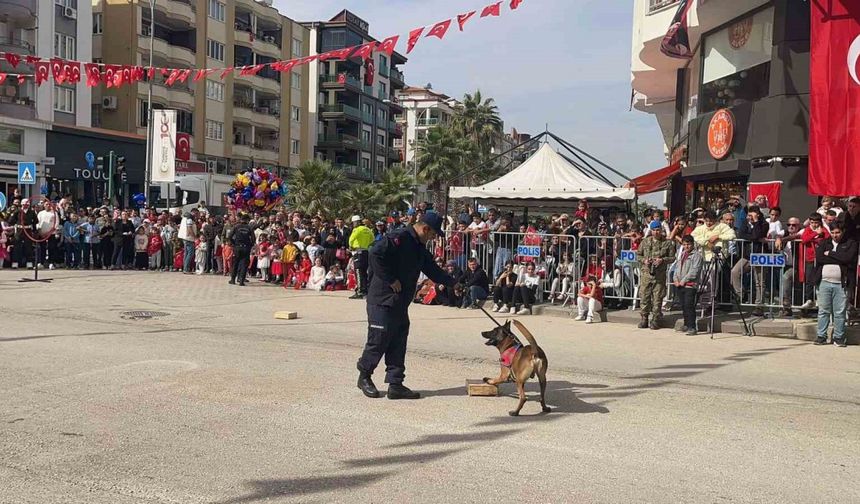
114,76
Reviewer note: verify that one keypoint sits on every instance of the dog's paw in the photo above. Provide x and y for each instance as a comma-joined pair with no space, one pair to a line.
514,413
546,409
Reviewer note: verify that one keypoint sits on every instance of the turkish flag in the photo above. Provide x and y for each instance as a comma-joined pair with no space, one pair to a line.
171,79
834,95
183,146
42,71
2,77
286,66
515,4
364,51
492,10
676,42
338,54
110,74
12,58
414,35
227,71
57,70
94,74
770,190
72,69
439,29
462,18
387,46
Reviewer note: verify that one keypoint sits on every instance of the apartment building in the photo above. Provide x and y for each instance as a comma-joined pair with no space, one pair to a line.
354,101
750,68
423,108
237,122
47,29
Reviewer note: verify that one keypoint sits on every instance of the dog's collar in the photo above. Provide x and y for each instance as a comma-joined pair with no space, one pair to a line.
507,358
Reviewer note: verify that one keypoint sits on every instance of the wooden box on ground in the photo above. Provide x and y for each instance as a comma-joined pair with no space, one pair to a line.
480,388
286,315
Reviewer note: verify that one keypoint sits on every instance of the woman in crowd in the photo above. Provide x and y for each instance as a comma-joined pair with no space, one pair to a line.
589,302
154,248
565,271
503,288
141,244
335,279
448,296
525,292
264,256
317,278
303,271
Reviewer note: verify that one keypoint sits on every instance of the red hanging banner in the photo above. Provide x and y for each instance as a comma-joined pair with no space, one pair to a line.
770,191
94,74
72,69
13,59
515,4
365,51
42,71
227,71
57,70
2,77
439,29
492,10
463,18
414,35
834,95
109,75
31,60
387,46
171,79
338,54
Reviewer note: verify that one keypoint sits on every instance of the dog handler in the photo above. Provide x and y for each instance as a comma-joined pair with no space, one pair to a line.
395,262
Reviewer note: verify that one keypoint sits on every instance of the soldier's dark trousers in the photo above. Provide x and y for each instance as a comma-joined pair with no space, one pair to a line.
387,332
361,261
241,258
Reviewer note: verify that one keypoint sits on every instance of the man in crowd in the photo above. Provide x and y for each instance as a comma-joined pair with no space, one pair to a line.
72,242
242,239
395,263
360,239
476,285
835,274
712,235
655,254
754,231
188,233
786,245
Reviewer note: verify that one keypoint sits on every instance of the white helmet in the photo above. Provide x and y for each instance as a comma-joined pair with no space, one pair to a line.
356,218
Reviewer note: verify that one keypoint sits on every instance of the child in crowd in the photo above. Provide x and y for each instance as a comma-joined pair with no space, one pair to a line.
317,277
590,300
200,248
227,252
289,259
141,244
303,272
154,249
277,268
335,280
264,257
219,255
4,252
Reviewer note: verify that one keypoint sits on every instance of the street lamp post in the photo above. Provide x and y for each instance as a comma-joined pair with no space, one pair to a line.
151,75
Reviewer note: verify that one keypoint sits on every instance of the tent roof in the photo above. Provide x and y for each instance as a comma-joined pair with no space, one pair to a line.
546,175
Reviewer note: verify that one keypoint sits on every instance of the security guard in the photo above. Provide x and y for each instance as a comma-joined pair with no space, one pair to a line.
360,239
655,255
395,262
242,239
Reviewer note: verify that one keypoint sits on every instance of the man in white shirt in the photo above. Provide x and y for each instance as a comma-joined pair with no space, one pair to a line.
478,232
775,227
188,233
47,224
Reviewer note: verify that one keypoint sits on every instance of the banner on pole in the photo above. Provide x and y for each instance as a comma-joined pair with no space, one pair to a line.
163,145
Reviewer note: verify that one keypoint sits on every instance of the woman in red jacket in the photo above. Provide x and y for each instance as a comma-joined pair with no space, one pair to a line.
303,271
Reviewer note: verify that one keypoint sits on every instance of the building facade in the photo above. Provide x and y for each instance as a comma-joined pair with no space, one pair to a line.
737,112
423,108
47,29
236,122
353,101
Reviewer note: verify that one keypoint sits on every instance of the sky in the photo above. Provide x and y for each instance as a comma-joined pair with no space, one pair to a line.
561,63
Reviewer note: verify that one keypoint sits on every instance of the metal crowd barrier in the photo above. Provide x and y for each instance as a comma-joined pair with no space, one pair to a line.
763,275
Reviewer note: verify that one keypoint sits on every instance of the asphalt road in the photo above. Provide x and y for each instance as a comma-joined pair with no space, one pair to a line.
217,402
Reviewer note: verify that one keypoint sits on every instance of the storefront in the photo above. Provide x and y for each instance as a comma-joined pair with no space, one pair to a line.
743,115
80,167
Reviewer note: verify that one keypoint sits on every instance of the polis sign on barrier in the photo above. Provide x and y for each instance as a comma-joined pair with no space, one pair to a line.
628,256
528,251
767,260
721,134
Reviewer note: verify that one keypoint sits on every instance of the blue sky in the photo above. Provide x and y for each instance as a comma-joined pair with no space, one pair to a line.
561,62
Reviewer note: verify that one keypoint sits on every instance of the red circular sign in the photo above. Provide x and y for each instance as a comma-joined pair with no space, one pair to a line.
721,133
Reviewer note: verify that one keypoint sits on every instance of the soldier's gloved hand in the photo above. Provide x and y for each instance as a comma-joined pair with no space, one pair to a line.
396,287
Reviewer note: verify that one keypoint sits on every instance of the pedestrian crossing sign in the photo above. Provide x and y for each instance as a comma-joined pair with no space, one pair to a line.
26,172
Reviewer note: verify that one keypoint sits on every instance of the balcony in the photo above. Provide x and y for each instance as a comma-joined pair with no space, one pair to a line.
242,148
354,172
393,154
394,128
16,45
177,9
397,79
265,83
368,90
339,140
21,10
367,117
341,80
17,107
428,121
655,5
339,111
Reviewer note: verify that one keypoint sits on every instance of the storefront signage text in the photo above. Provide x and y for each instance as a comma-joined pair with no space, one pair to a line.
721,134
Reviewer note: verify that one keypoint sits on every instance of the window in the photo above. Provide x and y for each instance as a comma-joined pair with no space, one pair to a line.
64,46
64,100
215,50
215,90
11,140
380,139
365,136
296,80
185,121
383,62
382,114
380,166
365,163
736,62
295,113
297,47
97,23
216,10
367,109
214,130
294,146
383,88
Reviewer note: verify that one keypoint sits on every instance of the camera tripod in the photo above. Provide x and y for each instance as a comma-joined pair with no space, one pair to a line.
710,272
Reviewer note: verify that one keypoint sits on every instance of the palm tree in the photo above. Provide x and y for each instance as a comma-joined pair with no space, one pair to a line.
478,120
315,187
396,185
442,155
364,200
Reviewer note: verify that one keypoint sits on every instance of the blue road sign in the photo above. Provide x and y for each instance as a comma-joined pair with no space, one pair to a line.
528,251
768,260
628,256
26,172
2,202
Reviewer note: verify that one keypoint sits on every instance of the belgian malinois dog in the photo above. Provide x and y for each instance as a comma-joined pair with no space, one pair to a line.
518,363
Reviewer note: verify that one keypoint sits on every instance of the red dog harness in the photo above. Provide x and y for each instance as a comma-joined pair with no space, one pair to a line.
507,357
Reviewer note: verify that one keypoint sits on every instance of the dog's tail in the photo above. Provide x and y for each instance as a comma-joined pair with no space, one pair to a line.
526,333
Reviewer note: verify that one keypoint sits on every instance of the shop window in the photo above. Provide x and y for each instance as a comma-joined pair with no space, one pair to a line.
736,62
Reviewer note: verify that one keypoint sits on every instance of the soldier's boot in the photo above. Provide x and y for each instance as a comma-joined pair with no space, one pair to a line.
655,322
643,323
366,385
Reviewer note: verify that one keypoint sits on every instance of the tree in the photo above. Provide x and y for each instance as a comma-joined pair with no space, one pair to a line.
396,185
315,187
478,120
442,155
364,200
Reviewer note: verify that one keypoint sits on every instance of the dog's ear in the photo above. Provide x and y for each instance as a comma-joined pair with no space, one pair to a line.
508,325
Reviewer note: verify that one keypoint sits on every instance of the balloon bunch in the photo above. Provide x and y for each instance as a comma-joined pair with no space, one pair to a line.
257,190
139,200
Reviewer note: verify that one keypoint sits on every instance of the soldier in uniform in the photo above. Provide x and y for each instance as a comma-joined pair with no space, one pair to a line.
242,239
655,255
395,262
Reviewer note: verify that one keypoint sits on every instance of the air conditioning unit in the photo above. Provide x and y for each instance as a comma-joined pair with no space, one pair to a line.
109,103
70,13
211,165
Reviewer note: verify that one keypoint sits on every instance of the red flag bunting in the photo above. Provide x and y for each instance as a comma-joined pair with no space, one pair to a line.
462,18
387,46
203,73
414,35
306,60
227,71
174,74
286,66
32,59
338,54
21,79
515,4
492,10
57,70
13,59
183,75
165,72
94,74
126,74
42,72
365,51
150,72
137,73
109,75
2,77
439,29
72,69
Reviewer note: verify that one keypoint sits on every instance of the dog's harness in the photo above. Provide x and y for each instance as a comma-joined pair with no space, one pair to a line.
507,358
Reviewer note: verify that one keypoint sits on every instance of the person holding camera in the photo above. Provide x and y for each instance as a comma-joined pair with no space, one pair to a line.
685,278
754,231
655,255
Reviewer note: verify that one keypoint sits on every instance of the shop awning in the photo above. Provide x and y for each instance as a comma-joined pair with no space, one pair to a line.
657,180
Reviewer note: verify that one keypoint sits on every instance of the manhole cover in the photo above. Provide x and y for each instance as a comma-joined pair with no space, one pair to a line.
142,314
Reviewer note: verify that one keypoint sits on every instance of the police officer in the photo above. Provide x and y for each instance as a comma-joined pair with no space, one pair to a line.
242,239
395,262
360,240
655,255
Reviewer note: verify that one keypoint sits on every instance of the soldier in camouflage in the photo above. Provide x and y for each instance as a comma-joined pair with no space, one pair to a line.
656,253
